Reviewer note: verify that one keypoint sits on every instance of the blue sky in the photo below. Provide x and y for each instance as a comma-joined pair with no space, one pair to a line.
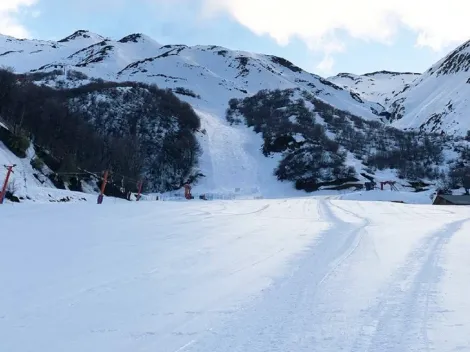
322,37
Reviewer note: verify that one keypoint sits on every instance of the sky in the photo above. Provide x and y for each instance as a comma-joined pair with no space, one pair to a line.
324,37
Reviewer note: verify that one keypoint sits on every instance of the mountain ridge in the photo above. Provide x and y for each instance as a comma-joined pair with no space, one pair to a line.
131,64
434,101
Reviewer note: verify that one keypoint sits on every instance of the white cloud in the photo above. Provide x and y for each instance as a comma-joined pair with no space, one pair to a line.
326,65
318,22
9,24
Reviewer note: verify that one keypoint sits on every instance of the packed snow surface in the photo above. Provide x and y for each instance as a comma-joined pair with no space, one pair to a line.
265,275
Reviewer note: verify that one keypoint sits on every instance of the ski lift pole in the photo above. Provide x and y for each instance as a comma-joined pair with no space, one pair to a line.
5,184
103,185
139,185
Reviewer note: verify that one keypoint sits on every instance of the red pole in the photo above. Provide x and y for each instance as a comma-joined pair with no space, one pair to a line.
5,184
140,190
103,185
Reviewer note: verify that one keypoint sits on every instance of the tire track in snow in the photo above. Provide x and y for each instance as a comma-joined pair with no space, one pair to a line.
399,321
282,319
257,211
354,235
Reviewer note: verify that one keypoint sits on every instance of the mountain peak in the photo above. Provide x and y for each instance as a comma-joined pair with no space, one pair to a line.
344,75
82,34
134,37
138,38
457,61
390,73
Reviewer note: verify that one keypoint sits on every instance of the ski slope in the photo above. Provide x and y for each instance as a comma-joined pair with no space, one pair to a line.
232,161
266,275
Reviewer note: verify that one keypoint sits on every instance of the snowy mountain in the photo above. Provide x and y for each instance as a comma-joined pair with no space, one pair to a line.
439,100
215,80
207,77
24,55
215,73
376,86
435,101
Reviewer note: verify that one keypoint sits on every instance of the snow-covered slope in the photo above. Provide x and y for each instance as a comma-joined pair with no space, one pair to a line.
106,57
24,55
440,99
218,74
376,86
29,184
435,101
269,275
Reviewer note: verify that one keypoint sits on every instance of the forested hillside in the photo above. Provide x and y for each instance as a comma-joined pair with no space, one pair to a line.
320,144
133,129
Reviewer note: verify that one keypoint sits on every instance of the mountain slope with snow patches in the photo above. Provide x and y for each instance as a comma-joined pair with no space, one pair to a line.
440,99
435,101
218,75
28,182
375,86
215,73
24,55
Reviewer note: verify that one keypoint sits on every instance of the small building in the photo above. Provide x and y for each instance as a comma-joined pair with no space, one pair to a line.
447,199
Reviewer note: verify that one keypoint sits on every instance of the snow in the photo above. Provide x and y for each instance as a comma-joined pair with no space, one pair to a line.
232,161
266,275
455,302
446,95
22,177
377,86
435,101
25,55
425,197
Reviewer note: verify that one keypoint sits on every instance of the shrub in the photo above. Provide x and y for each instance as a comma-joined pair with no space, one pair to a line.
18,144
37,163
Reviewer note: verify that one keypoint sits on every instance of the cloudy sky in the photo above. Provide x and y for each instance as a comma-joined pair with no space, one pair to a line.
325,37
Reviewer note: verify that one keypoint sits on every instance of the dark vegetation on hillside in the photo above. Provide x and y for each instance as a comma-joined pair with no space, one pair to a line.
310,157
459,175
133,129
314,142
